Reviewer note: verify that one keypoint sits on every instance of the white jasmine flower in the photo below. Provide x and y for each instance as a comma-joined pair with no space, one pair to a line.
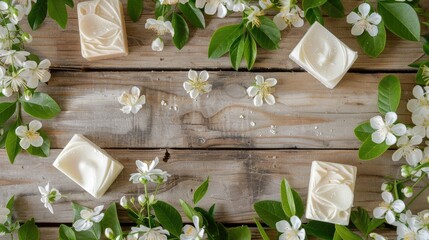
388,208
172,2
212,6
193,232
3,6
236,5
149,172
362,21
290,232
14,82
157,233
26,5
411,232
4,213
421,119
7,36
289,17
423,217
29,135
34,72
132,101
88,218
134,236
16,13
49,196
407,191
159,26
157,45
376,236
262,90
13,57
253,16
386,130
197,84
408,148
264,4
421,101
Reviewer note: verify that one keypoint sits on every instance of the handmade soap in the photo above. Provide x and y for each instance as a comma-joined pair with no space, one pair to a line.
331,192
102,29
88,165
323,55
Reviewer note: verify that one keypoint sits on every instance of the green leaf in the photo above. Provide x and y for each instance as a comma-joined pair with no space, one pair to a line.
111,220
321,230
239,233
29,231
41,105
261,230
364,131
360,219
267,35
42,151
374,224
66,233
169,217
193,14
3,137
299,206
161,9
334,8
422,76
12,143
190,211
201,191
236,52
222,40
418,64
57,11
400,19
310,4
345,233
270,212
181,31
223,232
7,109
337,236
426,48
93,234
76,211
314,14
370,150
389,94
38,14
212,227
135,9
250,51
288,202
10,204
69,3
373,46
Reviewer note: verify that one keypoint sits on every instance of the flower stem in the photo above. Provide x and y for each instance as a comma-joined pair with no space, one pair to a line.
417,195
148,204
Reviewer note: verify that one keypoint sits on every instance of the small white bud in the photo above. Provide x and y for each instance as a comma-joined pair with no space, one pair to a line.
406,171
124,202
109,233
28,95
142,200
7,92
157,45
26,37
386,187
407,191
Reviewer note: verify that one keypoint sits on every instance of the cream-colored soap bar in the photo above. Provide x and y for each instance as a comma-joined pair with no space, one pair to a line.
102,29
323,55
331,192
88,165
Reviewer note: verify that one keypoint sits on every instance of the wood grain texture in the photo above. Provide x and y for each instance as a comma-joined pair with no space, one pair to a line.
306,115
238,179
63,49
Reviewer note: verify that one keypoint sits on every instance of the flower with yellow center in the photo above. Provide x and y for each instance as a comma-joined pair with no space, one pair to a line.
388,208
262,90
29,135
197,84
159,26
193,232
253,16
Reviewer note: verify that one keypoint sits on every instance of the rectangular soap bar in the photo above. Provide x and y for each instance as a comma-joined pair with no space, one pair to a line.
102,29
331,192
88,165
323,55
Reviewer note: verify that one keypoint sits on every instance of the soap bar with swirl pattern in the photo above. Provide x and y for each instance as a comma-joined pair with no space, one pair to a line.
102,29
88,165
323,55
331,192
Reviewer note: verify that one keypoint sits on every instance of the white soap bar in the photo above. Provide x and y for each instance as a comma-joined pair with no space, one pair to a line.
102,29
88,165
323,55
331,192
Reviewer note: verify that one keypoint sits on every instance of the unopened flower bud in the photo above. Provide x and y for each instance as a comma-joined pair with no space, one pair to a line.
142,200
407,191
386,187
152,200
132,200
26,37
109,233
406,171
7,92
28,95
124,202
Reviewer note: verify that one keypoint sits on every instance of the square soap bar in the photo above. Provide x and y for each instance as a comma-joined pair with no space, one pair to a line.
102,29
88,165
323,55
331,192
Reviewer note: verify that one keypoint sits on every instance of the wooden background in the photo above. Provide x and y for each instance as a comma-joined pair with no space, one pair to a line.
206,137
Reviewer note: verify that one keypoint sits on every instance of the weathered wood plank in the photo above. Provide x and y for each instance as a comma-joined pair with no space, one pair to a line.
63,49
306,115
238,179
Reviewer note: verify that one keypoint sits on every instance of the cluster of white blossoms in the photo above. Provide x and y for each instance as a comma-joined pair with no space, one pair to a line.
19,72
364,21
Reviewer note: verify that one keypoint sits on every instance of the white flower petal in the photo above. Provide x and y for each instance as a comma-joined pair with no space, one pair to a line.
221,11
211,7
252,91
296,222
282,226
391,118
353,18
280,23
36,142
259,80
398,206
269,99
21,131
192,75
364,9
271,82
390,217
399,129
372,30
24,143
379,136
187,86
358,29
194,93
377,122
397,155
390,139
35,125
374,18
204,76
200,3
387,197
257,101
379,212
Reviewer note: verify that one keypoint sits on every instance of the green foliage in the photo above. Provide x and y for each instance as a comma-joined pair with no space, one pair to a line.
57,10
261,230
267,35
401,19
29,231
190,211
12,143
360,218
270,212
169,217
364,131
193,14
42,151
370,150
239,233
223,39
345,233
422,76
389,94
111,220
236,52
312,10
41,105
320,230
250,51
135,9
181,31
38,14
7,109
161,9
334,8
201,191
373,46
66,233
288,202
314,14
